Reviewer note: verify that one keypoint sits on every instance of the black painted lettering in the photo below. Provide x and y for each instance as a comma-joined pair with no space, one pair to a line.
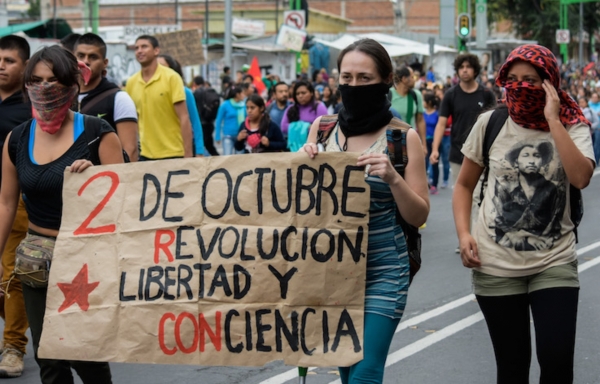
346,189
346,322
259,244
122,296
228,182
202,268
302,169
284,250
169,282
283,279
220,280
276,205
154,180
354,249
173,195
248,331
180,243
260,329
319,256
259,197
154,275
323,169
325,332
305,314
290,335
243,255
141,284
235,243
236,190
205,253
184,281
240,272
227,325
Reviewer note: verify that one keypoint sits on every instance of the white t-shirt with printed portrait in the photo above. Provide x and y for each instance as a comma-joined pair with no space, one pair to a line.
524,224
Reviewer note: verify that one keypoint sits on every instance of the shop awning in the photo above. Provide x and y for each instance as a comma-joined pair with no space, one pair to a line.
46,29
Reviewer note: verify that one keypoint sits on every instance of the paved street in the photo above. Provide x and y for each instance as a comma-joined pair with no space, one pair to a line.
442,338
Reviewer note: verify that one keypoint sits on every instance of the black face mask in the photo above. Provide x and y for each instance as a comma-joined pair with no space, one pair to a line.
366,108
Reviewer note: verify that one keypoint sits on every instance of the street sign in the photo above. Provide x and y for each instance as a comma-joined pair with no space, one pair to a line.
563,36
295,19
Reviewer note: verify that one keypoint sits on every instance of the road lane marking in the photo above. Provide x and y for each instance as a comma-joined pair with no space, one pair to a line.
428,341
293,373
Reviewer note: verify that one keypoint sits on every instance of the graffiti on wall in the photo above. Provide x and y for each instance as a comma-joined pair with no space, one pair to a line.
121,62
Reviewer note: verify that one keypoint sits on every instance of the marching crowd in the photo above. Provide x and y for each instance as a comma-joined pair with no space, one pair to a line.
517,234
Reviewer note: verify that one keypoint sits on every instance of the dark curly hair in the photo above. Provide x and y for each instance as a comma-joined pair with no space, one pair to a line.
470,58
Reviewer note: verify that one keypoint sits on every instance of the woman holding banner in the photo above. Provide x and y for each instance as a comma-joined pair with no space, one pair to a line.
34,158
365,77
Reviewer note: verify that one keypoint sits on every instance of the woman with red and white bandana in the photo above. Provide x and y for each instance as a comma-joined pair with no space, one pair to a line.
522,246
34,159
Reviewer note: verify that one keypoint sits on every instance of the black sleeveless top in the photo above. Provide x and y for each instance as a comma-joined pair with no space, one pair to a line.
42,185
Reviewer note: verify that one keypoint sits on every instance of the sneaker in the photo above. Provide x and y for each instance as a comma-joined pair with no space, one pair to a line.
12,362
444,185
433,190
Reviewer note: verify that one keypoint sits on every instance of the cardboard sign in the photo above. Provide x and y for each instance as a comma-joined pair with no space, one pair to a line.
185,46
230,260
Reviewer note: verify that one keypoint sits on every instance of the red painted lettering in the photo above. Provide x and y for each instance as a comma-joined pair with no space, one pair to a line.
180,318
161,334
215,337
83,228
158,245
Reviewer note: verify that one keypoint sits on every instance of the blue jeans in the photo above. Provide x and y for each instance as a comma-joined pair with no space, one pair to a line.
228,143
379,331
596,140
433,169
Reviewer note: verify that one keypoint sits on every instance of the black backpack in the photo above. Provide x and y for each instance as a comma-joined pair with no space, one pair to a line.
493,128
396,137
210,105
92,127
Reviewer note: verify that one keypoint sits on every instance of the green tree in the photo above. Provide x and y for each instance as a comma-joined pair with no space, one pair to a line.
539,19
34,9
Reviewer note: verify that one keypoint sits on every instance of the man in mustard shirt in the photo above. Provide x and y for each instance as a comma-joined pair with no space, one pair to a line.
159,97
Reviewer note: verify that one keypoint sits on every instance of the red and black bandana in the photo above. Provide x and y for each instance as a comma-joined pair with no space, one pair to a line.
526,102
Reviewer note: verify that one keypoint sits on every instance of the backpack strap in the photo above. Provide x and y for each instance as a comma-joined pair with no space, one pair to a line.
91,130
326,125
86,108
493,128
396,143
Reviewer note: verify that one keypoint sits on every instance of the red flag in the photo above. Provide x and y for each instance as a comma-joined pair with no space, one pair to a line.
255,72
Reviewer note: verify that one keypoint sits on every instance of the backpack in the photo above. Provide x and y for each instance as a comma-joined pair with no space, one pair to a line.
413,95
396,144
493,128
91,130
210,105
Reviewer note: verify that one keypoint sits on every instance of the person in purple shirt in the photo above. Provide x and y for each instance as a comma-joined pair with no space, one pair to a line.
305,107
299,116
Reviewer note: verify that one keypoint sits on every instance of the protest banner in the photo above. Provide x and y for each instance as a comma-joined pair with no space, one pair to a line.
184,46
230,260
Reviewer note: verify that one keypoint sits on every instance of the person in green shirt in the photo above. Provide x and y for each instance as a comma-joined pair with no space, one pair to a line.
408,102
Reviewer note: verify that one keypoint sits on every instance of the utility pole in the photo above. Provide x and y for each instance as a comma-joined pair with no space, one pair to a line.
581,34
228,35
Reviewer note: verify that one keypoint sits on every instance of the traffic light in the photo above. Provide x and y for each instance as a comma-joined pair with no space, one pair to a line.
464,25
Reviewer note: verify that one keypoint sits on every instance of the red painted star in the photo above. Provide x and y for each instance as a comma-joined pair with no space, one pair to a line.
78,291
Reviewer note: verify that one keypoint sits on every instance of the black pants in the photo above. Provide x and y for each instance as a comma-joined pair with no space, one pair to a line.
207,131
58,371
554,313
